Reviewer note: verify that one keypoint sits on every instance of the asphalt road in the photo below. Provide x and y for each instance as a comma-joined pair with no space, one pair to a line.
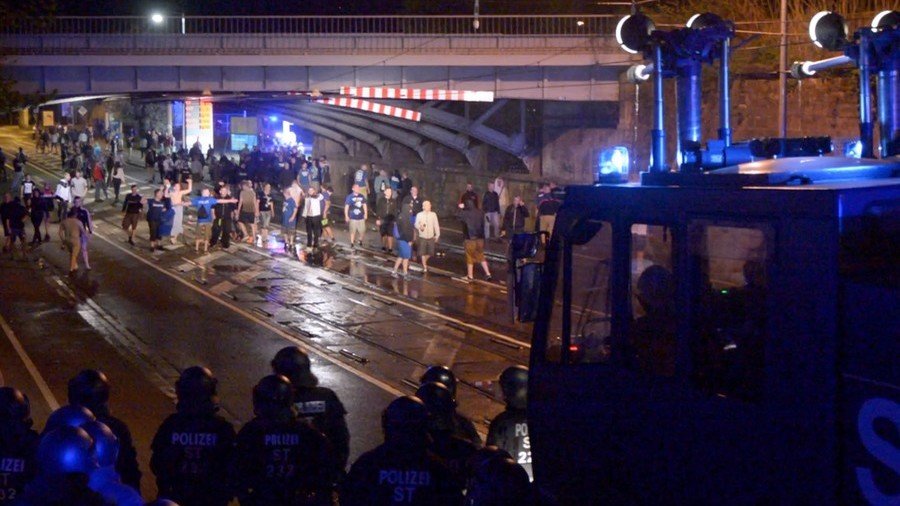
142,317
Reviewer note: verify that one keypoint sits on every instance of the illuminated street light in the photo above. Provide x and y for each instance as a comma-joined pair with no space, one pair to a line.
157,18
580,23
828,30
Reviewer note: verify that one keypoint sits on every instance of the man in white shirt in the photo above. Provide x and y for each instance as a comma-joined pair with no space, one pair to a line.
312,213
79,185
429,231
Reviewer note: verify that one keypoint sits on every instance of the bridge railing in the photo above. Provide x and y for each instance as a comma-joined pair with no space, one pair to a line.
536,25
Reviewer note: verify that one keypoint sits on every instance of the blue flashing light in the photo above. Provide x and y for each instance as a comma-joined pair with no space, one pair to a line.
273,118
853,149
613,164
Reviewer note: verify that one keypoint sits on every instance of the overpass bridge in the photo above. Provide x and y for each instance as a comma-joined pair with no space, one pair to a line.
569,57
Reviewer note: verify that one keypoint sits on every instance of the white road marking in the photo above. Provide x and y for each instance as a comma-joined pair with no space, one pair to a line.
29,365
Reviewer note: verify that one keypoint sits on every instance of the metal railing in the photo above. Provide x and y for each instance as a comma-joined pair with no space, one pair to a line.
571,25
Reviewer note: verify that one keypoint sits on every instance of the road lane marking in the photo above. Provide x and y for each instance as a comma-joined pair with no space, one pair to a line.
250,316
29,365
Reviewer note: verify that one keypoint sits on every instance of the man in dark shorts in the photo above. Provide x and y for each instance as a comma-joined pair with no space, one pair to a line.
248,208
14,220
155,209
132,208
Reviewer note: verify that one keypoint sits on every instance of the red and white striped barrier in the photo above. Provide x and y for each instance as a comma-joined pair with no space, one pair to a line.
365,105
418,94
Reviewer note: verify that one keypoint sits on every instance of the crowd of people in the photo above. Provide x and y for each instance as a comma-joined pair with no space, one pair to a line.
243,197
293,452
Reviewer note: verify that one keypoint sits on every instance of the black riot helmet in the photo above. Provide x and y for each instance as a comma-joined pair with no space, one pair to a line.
514,385
404,417
273,397
440,374
440,403
15,408
294,363
196,390
484,454
498,482
90,388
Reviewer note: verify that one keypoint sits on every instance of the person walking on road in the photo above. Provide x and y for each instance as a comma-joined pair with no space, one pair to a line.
132,207
84,216
248,212
386,213
176,194
264,197
327,231
38,213
64,195
155,209
289,220
404,233
118,177
71,231
14,222
204,204
355,213
429,230
79,186
223,216
473,231
98,175
18,171
490,204
312,214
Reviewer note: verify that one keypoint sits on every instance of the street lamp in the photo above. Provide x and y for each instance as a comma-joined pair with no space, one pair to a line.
828,30
157,18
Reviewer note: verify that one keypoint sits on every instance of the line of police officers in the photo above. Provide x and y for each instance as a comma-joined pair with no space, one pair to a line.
293,452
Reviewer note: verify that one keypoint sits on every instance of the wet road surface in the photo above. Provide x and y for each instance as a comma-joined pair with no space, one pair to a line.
144,316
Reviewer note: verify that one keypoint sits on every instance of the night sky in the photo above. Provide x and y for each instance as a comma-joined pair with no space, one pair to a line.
306,7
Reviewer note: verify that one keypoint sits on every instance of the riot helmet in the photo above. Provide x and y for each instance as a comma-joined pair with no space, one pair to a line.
405,416
273,397
15,408
514,385
196,390
440,404
89,388
70,415
66,450
440,374
499,482
294,363
485,454
106,444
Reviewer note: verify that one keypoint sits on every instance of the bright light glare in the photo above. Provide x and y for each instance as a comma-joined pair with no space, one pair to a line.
853,149
157,18
579,23
812,26
619,35
613,161
806,70
640,71
878,17
273,118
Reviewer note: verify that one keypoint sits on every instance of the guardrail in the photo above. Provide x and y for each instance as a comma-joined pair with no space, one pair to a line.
572,25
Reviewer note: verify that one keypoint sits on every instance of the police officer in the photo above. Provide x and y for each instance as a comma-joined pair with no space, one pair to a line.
452,449
193,446
509,430
90,389
462,426
105,480
18,444
280,460
318,405
401,470
499,482
65,460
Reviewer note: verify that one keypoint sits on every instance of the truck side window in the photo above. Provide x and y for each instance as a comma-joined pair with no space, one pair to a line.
729,320
590,297
652,342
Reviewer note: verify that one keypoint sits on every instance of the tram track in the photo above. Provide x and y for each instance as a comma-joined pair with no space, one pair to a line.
482,337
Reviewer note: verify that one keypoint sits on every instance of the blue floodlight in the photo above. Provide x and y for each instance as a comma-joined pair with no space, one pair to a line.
853,149
613,164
